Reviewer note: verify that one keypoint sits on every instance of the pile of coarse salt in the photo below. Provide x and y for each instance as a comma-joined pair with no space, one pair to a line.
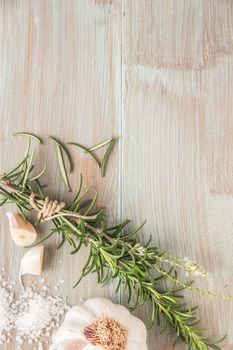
33,317
7,309
38,314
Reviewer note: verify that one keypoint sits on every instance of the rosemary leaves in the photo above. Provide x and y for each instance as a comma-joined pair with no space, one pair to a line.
115,253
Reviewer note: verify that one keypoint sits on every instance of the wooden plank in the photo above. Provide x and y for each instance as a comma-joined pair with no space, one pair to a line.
60,65
61,74
177,139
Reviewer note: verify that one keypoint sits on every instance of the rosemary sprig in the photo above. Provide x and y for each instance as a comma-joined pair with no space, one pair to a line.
106,156
61,149
29,135
40,174
114,253
100,145
87,150
66,152
102,164
62,167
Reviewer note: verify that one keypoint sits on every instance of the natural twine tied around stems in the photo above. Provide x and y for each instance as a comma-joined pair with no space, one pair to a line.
49,209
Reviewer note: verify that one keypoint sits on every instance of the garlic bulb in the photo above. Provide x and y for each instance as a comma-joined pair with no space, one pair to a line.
98,324
32,262
22,231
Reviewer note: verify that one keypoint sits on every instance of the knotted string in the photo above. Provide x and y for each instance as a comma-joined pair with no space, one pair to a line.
49,208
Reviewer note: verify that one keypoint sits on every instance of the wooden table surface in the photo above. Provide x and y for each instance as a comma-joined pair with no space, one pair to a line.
159,74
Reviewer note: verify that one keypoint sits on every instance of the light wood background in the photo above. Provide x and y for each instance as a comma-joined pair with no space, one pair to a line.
159,74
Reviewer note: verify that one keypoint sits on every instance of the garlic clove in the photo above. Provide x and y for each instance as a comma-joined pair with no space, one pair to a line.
90,347
136,336
95,309
32,261
85,315
70,330
73,325
75,345
22,231
137,332
98,305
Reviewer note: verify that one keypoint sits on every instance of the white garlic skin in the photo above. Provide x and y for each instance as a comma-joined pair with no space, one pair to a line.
22,231
82,316
32,261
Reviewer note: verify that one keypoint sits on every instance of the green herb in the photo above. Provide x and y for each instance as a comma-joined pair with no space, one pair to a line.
39,175
60,148
106,157
31,136
27,170
87,150
100,145
63,148
114,253
62,167
101,163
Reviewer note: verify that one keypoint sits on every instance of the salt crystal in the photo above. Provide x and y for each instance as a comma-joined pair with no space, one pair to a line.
37,314
6,309
40,346
33,317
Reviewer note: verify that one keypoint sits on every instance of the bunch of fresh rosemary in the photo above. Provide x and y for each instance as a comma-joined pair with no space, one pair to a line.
114,252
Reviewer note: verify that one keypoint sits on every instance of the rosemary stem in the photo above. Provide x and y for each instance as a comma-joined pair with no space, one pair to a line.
114,256
63,213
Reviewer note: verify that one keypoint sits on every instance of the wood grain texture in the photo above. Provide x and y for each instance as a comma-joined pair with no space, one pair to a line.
177,153
60,75
157,73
